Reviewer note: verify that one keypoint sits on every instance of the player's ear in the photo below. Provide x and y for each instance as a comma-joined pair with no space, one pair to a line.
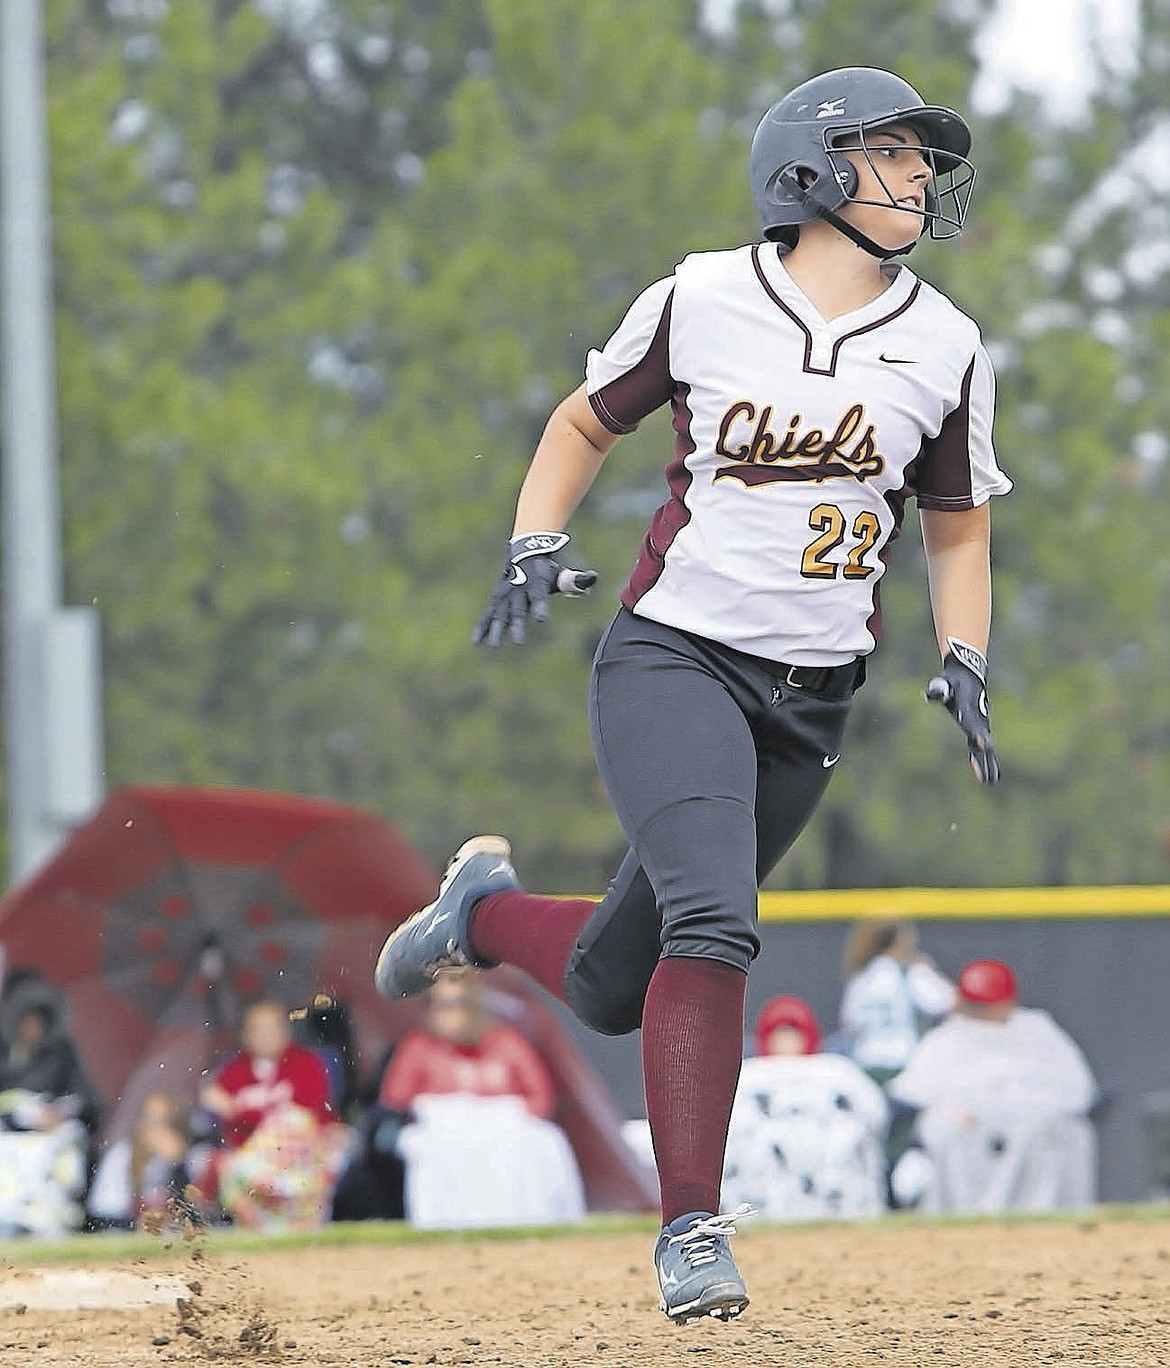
844,171
849,183
846,176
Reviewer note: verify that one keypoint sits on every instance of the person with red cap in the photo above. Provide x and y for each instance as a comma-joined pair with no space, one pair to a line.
989,983
787,1026
807,1133
1002,1095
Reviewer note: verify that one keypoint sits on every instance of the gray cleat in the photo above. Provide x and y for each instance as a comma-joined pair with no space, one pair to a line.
697,1276
435,938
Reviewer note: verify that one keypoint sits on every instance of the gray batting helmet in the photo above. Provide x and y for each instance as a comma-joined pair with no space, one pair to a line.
797,173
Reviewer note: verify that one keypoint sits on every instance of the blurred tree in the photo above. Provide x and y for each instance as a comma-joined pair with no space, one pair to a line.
1068,270
324,266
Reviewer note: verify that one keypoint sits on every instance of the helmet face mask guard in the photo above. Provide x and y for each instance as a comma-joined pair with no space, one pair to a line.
800,170
948,192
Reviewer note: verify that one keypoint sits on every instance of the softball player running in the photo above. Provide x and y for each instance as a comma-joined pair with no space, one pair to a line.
813,386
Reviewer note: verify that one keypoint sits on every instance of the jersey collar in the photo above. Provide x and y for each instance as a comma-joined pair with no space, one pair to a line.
770,267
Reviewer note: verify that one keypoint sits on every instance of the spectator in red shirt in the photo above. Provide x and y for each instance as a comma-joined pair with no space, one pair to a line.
463,1049
282,1144
269,1072
480,1148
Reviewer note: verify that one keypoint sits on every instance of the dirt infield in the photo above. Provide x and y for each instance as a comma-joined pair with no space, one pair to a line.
1095,1291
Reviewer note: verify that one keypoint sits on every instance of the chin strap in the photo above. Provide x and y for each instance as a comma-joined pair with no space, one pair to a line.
809,198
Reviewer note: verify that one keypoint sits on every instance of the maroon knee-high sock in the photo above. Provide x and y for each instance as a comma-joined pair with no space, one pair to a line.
692,1047
536,934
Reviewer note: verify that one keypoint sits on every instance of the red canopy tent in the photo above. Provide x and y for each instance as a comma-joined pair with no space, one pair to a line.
173,906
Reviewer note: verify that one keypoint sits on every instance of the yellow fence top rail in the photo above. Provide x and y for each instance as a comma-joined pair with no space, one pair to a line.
924,904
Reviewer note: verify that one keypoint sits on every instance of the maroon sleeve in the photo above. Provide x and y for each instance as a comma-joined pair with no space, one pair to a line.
943,470
623,403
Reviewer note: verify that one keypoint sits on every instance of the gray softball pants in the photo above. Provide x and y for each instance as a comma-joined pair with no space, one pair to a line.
714,762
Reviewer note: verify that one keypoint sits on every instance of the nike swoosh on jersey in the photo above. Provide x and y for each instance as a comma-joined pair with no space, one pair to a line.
830,760
897,360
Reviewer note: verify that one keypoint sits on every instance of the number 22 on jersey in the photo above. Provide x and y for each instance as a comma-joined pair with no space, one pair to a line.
830,524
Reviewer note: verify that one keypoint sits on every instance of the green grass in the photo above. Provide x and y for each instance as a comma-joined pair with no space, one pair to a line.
116,1246
110,1248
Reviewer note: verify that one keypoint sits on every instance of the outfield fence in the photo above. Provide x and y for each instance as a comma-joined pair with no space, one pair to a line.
1096,958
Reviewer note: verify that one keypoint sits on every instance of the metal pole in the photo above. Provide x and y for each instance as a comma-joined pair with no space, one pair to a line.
28,436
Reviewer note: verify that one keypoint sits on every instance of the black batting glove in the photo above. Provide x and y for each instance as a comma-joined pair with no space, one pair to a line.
962,689
529,576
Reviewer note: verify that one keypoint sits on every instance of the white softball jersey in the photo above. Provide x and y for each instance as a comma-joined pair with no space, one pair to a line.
886,1006
1025,1062
797,443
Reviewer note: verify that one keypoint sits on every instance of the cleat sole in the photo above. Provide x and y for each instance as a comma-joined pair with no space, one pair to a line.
722,1311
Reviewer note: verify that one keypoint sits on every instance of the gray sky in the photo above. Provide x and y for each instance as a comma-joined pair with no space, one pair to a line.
1047,47
1058,49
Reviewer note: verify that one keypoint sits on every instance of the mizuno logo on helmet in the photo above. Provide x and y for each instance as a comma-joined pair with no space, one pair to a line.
831,109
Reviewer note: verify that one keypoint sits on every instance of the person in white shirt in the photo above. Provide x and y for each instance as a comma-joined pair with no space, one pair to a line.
814,388
1003,1095
806,1140
893,993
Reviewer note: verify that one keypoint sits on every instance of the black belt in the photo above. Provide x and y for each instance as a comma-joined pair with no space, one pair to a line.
833,681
